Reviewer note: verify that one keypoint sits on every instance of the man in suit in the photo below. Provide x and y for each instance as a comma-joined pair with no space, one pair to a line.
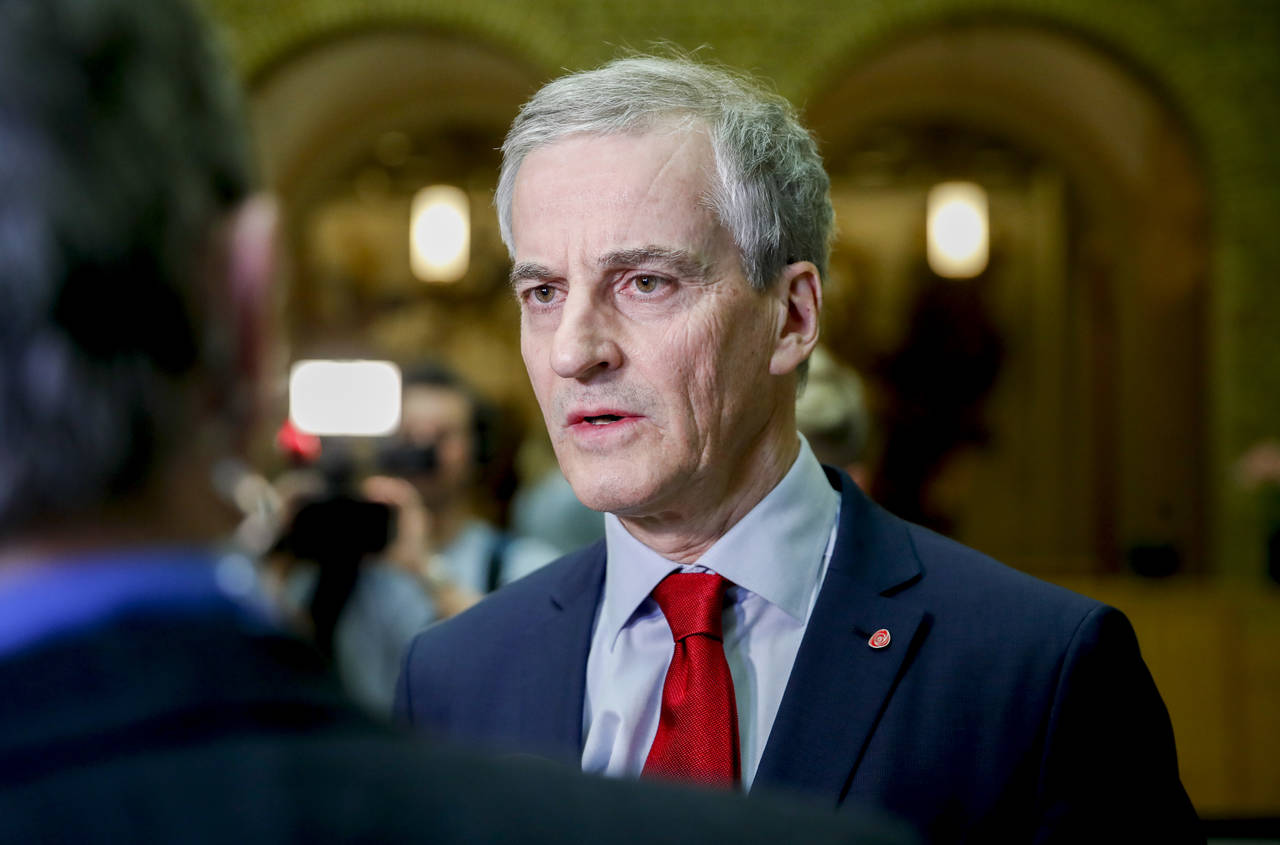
669,226
147,695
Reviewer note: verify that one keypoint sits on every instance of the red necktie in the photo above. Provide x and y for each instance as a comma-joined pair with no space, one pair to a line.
697,736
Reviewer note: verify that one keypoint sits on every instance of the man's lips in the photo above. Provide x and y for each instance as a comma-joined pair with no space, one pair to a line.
596,417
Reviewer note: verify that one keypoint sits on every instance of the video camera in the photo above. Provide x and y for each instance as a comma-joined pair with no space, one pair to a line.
333,407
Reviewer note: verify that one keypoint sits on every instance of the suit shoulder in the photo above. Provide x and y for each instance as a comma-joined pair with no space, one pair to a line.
979,591
451,666
947,558
897,557
507,612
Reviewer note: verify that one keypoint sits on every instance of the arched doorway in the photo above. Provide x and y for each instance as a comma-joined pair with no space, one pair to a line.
348,130
1073,440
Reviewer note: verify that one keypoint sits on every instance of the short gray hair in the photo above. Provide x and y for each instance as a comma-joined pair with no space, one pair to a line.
771,192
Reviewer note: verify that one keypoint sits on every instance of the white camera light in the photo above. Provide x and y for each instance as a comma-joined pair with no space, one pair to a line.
359,398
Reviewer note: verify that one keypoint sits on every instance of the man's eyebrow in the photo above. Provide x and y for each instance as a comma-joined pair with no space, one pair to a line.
679,261
527,271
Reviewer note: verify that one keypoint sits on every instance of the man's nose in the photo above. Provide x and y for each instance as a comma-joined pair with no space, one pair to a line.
584,344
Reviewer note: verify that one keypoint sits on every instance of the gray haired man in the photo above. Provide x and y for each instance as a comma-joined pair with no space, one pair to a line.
751,619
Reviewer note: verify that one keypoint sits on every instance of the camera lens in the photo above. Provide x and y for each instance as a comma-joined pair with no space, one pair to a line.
408,459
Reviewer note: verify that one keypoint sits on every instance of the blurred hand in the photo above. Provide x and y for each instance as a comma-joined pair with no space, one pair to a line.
411,546
451,599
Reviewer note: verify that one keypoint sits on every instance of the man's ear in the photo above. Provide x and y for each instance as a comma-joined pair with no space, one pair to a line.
800,292
250,266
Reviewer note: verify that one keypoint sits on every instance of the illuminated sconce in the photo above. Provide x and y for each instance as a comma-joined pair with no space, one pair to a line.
440,234
958,230
345,397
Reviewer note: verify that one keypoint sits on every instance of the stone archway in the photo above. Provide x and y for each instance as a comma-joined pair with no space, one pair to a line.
347,129
325,102
1097,450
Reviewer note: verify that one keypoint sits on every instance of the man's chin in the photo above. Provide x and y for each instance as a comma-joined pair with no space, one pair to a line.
604,502
608,495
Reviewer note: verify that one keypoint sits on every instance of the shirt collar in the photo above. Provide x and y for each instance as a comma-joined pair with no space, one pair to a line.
776,551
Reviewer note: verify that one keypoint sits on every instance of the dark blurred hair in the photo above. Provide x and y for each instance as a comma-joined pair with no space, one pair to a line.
121,148
484,415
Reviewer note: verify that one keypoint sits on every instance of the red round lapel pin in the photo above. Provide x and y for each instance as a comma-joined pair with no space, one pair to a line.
879,639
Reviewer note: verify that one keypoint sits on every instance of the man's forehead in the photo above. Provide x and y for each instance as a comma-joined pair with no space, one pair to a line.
677,155
663,135
619,199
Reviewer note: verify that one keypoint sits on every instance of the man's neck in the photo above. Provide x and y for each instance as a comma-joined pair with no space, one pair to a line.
685,537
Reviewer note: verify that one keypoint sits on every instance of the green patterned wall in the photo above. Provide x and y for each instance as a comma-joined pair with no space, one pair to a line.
1217,63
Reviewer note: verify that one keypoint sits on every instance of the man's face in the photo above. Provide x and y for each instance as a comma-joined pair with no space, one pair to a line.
647,349
440,417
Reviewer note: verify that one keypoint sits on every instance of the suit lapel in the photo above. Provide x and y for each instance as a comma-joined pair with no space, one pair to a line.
554,669
839,684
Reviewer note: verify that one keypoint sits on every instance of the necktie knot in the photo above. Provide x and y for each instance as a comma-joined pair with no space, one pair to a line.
692,603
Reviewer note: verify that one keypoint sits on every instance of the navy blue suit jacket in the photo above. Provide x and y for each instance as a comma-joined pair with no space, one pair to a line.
1003,709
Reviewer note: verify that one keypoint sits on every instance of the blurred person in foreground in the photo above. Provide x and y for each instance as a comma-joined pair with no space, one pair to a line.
146,697
751,619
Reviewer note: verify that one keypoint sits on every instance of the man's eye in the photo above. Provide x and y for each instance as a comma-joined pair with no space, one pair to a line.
543,294
647,284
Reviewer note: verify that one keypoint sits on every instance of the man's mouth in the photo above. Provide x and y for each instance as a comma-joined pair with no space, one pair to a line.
598,417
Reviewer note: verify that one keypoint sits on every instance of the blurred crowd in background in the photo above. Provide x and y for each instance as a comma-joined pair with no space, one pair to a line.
365,541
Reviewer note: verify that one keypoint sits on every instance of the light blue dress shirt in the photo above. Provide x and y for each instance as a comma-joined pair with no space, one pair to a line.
776,556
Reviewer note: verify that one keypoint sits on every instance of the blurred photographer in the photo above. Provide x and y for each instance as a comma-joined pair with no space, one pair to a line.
441,556
444,444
